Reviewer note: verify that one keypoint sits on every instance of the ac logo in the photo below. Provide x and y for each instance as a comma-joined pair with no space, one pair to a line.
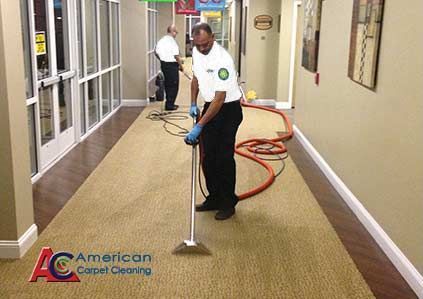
57,267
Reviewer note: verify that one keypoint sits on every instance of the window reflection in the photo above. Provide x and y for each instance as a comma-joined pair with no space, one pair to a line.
32,143
62,38
27,50
115,33
79,39
46,114
105,34
41,38
82,108
116,88
91,35
65,105
93,102
105,95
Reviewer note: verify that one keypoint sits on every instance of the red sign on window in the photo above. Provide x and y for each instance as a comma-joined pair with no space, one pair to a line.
186,7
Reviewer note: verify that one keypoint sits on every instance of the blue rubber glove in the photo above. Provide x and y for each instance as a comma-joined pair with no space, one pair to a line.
192,137
193,112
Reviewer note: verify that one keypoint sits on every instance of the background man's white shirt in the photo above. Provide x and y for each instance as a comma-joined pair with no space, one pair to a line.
167,48
216,72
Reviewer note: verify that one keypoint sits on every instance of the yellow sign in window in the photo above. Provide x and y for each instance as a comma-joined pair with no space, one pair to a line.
40,37
40,43
40,48
212,14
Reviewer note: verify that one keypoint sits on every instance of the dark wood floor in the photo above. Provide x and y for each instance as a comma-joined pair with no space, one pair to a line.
58,185
378,271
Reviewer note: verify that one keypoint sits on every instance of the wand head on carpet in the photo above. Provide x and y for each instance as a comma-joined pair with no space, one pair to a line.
191,247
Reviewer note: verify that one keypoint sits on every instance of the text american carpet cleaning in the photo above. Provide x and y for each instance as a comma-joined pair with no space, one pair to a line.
115,264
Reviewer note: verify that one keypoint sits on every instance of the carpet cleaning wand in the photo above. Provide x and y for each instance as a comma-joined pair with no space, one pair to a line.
188,76
192,245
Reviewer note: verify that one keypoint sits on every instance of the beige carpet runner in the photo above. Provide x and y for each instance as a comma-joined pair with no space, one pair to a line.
278,245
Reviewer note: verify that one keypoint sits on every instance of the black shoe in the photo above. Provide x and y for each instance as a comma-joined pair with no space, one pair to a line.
207,205
171,108
224,214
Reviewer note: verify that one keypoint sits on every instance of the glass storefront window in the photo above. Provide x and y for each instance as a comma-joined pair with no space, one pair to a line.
62,38
105,95
47,45
116,88
152,26
93,107
27,50
152,41
79,39
46,114
32,143
65,105
220,27
41,38
91,35
82,108
105,34
115,33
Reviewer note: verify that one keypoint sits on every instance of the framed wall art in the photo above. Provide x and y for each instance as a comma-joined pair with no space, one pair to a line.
311,34
365,40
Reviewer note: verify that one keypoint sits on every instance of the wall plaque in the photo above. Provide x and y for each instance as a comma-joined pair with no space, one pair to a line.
263,22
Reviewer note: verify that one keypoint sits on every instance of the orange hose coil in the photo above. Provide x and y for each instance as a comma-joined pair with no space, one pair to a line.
251,143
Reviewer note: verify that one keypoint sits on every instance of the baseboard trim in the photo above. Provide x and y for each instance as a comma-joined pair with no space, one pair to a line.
264,102
283,105
135,103
397,257
17,249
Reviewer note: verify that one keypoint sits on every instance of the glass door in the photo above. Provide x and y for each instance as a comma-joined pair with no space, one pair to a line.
220,27
55,77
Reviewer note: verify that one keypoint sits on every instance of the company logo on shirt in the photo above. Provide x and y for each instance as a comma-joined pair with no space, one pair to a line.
209,71
223,74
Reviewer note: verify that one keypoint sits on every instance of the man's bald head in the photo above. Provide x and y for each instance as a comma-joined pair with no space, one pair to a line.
172,30
196,30
203,37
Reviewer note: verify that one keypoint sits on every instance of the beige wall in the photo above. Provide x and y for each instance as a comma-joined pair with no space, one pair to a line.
165,18
262,58
180,38
16,213
134,49
372,139
134,45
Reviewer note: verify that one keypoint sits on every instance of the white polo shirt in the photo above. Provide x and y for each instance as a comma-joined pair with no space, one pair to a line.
167,49
216,72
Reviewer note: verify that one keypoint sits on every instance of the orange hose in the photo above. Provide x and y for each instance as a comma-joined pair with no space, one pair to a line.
251,143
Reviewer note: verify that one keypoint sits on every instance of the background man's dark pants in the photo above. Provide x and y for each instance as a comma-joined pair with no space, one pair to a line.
218,140
171,73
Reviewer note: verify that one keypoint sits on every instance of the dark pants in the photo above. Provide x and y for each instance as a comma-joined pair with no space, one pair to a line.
171,74
218,141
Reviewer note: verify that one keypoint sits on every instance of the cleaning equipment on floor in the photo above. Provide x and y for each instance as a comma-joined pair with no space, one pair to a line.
250,149
192,245
255,146
251,95
168,119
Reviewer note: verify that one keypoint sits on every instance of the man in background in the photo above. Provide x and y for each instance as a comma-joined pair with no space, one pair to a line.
167,51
